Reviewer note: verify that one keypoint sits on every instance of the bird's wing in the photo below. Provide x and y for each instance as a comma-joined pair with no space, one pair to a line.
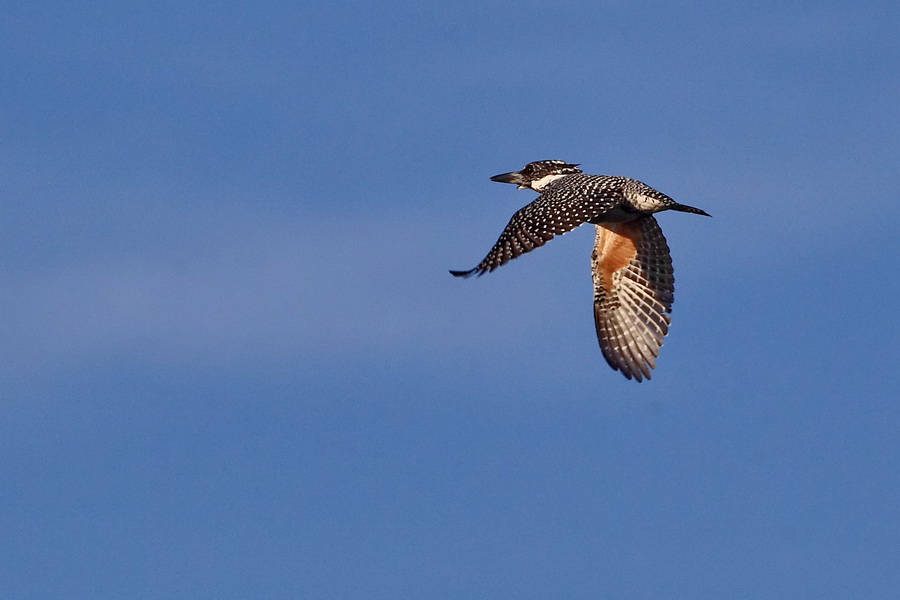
634,289
554,213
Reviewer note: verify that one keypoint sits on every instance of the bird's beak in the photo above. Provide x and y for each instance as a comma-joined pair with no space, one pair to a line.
514,177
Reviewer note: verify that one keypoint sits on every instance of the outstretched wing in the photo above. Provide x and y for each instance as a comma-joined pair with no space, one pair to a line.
634,288
556,212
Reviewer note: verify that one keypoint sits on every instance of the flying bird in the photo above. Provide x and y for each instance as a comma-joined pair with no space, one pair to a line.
634,284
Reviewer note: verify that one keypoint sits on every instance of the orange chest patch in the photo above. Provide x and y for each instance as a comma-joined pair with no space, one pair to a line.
615,246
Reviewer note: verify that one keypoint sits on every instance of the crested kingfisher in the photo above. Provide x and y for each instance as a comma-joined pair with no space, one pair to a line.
634,285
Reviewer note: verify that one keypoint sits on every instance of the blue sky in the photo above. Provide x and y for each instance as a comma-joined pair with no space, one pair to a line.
234,364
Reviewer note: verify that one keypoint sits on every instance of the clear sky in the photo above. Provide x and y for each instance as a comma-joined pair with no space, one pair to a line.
233,363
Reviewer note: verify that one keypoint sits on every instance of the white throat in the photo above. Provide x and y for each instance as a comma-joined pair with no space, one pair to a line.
539,184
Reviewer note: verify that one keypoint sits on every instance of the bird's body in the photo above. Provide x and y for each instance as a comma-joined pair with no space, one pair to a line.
631,266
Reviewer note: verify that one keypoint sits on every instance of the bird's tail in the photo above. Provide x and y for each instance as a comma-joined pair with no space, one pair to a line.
689,209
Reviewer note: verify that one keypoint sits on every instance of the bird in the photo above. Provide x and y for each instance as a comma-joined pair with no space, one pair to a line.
631,267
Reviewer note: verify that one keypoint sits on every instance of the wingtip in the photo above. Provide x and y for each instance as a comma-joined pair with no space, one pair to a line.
463,274
637,372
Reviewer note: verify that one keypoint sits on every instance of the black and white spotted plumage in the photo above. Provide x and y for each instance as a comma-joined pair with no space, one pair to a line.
632,269
564,205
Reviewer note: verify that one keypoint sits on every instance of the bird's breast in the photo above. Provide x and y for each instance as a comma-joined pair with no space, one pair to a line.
615,246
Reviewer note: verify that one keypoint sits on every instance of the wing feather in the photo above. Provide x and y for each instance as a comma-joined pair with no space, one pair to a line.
558,210
634,289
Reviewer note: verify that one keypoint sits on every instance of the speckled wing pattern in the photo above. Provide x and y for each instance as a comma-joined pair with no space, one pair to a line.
575,200
634,288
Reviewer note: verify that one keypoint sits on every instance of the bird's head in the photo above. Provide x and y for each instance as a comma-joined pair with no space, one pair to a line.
536,175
